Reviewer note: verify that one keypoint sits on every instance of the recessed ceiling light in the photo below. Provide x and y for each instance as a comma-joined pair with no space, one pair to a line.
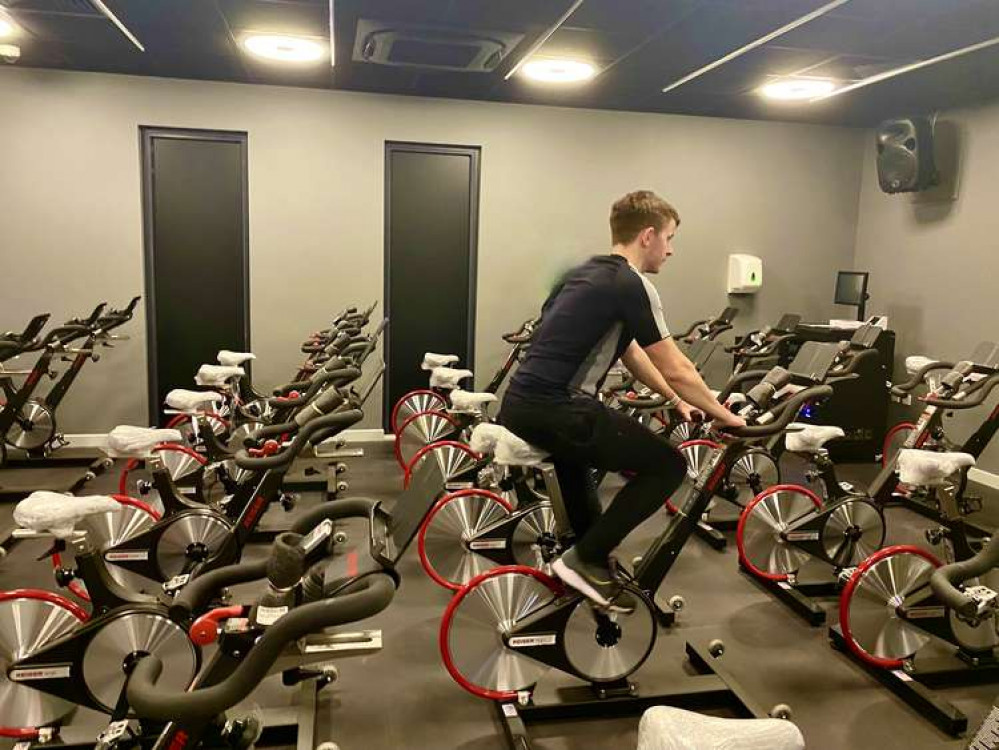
790,89
6,28
559,71
284,48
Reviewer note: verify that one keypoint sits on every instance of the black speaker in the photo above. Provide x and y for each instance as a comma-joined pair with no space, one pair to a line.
905,155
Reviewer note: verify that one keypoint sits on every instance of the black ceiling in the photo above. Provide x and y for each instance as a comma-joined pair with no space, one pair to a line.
640,46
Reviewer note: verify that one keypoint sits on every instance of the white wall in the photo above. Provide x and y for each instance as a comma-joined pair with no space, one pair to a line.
70,207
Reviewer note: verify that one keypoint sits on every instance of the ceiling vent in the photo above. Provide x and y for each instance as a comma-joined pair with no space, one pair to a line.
388,43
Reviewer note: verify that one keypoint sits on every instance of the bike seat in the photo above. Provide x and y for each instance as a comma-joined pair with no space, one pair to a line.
58,514
447,377
810,438
511,450
468,402
126,441
929,469
484,437
217,375
234,359
668,728
190,401
432,361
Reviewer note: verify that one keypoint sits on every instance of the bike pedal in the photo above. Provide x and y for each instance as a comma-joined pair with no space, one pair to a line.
109,737
844,576
970,505
176,583
936,536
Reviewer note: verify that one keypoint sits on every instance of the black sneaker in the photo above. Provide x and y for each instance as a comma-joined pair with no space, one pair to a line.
594,582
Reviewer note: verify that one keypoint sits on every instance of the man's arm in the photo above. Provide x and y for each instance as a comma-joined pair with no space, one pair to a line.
679,372
641,367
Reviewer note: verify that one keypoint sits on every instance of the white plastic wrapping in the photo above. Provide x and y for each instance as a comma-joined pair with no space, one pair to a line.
668,728
809,438
916,363
58,514
484,437
217,375
512,451
189,401
126,441
432,360
929,469
469,402
229,358
447,377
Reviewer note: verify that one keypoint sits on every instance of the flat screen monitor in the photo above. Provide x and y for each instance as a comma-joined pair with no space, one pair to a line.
851,288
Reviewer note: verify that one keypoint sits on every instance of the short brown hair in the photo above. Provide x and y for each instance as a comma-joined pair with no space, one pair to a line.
637,210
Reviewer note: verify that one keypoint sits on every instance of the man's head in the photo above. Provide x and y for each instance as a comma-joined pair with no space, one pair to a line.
642,229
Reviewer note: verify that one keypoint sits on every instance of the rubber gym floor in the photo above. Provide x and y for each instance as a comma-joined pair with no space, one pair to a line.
402,697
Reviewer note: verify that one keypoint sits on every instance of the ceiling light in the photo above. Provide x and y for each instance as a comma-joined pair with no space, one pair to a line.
284,48
6,28
790,89
559,71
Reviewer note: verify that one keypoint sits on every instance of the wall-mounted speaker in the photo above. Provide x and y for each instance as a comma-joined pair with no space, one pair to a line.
905,155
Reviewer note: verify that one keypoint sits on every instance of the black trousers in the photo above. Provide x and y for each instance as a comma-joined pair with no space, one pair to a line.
582,434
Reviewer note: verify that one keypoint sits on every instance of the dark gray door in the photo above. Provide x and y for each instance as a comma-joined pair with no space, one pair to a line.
431,228
196,218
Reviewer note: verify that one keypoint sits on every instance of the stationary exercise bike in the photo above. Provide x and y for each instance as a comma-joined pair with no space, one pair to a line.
929,468
29,424
195,540
972,607
523,622
144,667
435,399
58,656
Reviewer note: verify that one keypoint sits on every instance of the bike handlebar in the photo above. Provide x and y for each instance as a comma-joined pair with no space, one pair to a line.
765,350
339,419
945,579
363,599
785,412
652,401
981,391
901,389
197,594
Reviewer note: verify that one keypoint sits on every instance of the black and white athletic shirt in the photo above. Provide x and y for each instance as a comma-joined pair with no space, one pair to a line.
586,325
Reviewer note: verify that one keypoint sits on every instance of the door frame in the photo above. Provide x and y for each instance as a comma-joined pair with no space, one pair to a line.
474,181
146,135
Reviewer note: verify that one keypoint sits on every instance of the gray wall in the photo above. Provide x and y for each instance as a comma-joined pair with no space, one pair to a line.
932,258
72,230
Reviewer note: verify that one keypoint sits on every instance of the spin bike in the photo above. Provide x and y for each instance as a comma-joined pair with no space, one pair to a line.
59,656
971,607
416,410
886,612
28,423
137,662
506,627
197,539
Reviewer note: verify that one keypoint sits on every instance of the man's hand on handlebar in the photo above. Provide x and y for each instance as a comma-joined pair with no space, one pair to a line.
689,413
729,420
